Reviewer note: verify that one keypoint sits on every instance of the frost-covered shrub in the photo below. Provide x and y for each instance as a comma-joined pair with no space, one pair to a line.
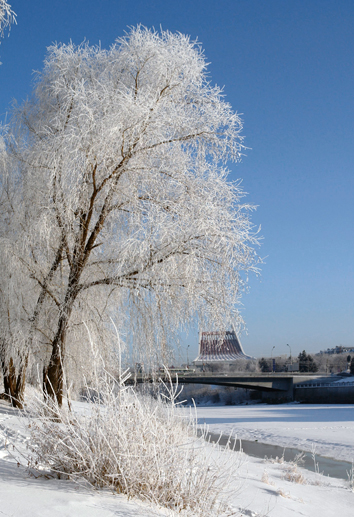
137,445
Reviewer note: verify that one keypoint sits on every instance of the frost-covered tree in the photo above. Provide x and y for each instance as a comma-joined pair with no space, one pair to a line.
15,284
123,154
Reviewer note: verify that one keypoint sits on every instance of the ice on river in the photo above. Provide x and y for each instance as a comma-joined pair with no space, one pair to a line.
328,429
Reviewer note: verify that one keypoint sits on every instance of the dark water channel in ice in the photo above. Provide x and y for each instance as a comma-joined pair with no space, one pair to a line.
326,466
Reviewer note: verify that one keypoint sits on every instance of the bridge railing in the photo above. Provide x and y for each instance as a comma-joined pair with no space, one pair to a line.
248,374
325,385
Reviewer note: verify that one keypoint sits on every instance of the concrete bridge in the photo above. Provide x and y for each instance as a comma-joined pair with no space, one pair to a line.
276,386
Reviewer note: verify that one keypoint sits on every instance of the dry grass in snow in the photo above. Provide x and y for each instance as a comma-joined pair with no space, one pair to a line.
137,445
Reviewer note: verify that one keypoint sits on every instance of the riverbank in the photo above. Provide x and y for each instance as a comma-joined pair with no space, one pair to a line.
280,487
273,488
312,462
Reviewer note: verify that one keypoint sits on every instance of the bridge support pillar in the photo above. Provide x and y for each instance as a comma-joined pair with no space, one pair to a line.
281,396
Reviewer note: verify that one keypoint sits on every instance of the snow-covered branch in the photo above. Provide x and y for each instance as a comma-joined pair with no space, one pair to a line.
7,17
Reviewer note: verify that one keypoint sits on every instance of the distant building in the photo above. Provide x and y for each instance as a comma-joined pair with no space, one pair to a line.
219,347
338,350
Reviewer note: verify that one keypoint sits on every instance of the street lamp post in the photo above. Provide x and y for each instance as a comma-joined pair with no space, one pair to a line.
187,355
291,361
271,359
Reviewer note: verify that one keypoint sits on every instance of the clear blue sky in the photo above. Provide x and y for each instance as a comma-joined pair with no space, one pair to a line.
287,66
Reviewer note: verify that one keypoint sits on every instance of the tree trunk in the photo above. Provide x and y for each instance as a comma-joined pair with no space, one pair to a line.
53,375
20,384
53,378
14,385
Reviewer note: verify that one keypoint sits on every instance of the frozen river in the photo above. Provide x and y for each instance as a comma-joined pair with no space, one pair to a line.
326,429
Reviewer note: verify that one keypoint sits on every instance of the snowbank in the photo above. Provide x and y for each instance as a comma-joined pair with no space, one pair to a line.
267,488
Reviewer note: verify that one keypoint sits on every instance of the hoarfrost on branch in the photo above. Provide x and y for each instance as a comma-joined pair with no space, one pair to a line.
7,17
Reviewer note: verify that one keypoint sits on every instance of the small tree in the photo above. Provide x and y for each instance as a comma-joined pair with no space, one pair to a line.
264,365
307,363
352,366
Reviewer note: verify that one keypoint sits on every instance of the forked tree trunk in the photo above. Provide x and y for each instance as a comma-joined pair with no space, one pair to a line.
53,375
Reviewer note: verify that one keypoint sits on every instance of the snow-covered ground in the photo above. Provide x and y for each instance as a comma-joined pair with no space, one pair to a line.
327,429
26,495
264,488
